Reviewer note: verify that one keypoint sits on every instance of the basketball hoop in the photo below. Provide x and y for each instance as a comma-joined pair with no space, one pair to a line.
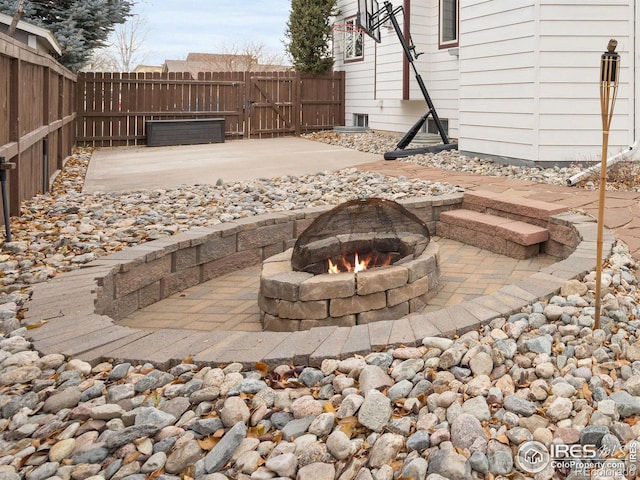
347,28
340,31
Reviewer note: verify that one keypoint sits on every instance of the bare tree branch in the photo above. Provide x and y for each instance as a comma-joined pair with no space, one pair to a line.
251,54
17,15
125,50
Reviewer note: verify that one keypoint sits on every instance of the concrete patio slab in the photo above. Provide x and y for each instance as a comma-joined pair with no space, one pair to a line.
134,168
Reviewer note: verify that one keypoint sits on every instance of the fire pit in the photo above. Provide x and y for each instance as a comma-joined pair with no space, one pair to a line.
361,262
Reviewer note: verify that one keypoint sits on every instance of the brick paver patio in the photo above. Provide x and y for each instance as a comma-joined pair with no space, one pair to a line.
230,302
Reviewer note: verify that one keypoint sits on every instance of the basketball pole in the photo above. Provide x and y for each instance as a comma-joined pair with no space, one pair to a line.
609,73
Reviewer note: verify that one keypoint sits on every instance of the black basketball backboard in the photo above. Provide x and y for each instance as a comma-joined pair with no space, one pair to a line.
368,18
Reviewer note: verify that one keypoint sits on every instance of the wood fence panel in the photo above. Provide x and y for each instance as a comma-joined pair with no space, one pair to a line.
109,83
271,96
116,128
5,95
322,101
174,92
135,121
67,102
37,110
228,101
253,104
51,112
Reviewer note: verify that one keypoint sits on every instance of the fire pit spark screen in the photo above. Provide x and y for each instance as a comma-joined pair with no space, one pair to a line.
363,261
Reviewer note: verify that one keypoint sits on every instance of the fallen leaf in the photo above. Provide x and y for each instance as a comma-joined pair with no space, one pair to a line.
208,443
328,408
256,432
31,326
263,368
586,392
541,412
348,425
157,473
131,457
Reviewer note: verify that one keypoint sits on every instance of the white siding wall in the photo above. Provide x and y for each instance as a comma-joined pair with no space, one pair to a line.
439,68
573,35
360,85
374,85
525,84
529,77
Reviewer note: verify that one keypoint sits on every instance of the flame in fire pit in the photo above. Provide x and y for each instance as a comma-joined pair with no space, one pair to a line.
358,265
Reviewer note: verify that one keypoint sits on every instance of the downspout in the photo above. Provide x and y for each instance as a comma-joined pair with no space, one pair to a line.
632,150
629,152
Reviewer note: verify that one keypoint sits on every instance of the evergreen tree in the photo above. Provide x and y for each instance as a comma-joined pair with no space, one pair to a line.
309,33
79,25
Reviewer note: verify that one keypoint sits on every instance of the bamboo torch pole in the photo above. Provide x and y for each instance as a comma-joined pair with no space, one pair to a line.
609,70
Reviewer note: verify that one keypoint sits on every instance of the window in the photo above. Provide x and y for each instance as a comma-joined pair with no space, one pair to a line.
360,120
448,23
431,126
353,41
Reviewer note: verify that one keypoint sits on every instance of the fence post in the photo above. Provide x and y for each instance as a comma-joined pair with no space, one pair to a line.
298,107
81,86
65,144
15,131
46,120
248,90
4,166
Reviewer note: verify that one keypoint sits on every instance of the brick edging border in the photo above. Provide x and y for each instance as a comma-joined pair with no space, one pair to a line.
79,307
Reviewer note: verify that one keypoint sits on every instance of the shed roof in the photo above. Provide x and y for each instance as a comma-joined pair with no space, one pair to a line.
30,28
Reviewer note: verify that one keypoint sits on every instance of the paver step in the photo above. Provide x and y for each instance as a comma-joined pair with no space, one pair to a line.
525,209
497,234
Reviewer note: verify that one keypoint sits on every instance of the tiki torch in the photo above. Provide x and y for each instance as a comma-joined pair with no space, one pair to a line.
609,73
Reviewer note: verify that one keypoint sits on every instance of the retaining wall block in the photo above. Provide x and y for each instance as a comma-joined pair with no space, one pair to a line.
263,236
143,275
216,248
339,307
230,263
407,292
178,281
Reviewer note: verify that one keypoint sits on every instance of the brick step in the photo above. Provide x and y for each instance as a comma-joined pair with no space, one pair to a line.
527,210
501,235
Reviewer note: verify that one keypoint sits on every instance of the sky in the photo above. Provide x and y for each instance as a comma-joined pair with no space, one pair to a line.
178,27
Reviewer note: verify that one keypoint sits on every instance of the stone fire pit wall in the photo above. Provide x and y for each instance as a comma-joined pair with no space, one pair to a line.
291,300
145,274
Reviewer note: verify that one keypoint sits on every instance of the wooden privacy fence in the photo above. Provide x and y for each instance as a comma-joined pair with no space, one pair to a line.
37,100
113,107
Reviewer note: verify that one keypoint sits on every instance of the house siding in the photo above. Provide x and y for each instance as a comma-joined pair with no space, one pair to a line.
374,86
524,85
529,78
497,77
